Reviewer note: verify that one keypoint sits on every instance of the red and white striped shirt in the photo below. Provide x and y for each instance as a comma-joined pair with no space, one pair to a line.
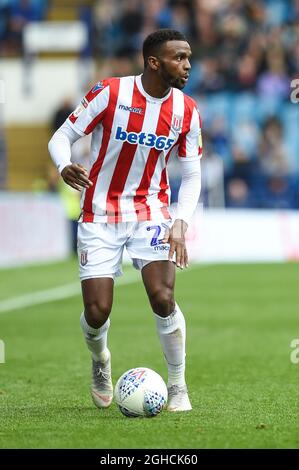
133,137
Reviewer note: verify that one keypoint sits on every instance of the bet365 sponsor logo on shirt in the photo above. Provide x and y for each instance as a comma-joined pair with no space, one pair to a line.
160,142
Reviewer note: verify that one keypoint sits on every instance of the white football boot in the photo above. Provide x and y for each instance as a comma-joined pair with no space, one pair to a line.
101,387
178,399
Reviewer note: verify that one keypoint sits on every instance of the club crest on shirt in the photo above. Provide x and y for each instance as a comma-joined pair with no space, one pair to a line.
177,123
83,258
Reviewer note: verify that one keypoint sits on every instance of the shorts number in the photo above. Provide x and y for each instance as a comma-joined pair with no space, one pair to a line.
157,228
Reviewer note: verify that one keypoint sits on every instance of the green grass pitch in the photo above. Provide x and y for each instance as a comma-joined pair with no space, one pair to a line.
241,320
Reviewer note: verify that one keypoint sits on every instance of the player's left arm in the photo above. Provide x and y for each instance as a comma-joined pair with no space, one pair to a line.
189,153
187,201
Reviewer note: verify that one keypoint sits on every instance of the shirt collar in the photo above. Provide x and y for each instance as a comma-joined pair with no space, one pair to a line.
146,95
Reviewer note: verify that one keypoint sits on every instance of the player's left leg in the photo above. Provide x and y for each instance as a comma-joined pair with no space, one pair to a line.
159,279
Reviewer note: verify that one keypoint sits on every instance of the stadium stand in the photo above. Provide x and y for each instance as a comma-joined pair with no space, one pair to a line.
245,56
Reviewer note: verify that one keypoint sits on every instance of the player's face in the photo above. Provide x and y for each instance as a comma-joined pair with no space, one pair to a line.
174,63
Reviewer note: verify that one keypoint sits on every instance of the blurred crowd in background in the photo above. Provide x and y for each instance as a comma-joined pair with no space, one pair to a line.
245,56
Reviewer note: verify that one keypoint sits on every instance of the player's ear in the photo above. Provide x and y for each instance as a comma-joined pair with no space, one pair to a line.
153,62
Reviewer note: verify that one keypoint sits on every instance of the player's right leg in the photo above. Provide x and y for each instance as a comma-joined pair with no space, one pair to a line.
100,252
97,297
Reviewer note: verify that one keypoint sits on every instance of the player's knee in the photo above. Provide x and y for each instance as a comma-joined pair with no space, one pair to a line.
162,301
97,313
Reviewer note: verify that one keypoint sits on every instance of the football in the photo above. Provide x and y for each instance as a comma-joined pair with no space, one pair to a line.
140,392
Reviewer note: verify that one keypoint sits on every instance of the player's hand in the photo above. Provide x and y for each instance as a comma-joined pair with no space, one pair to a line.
76,176
176,238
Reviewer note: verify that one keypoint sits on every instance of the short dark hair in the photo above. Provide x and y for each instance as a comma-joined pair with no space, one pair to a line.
154,41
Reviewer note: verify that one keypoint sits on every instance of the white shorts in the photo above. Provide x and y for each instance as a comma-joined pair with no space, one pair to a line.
101,246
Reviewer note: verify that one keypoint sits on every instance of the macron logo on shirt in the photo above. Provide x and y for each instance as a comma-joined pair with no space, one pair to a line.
131,109
160,142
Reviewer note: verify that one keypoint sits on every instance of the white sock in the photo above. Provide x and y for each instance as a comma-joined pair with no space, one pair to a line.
96,339
172,334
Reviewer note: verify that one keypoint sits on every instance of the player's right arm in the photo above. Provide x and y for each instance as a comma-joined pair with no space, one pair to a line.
60,145
81,122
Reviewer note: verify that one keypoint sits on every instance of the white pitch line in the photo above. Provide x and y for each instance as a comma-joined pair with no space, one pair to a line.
62,292
56,293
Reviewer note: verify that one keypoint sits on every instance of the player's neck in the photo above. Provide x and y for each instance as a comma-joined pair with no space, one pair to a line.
153,86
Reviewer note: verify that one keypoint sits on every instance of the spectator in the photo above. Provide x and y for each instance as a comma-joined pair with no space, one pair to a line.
274,82
64,110
238,195
272,152
21,13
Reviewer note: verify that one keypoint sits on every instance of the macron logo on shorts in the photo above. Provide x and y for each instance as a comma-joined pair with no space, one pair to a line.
160,142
